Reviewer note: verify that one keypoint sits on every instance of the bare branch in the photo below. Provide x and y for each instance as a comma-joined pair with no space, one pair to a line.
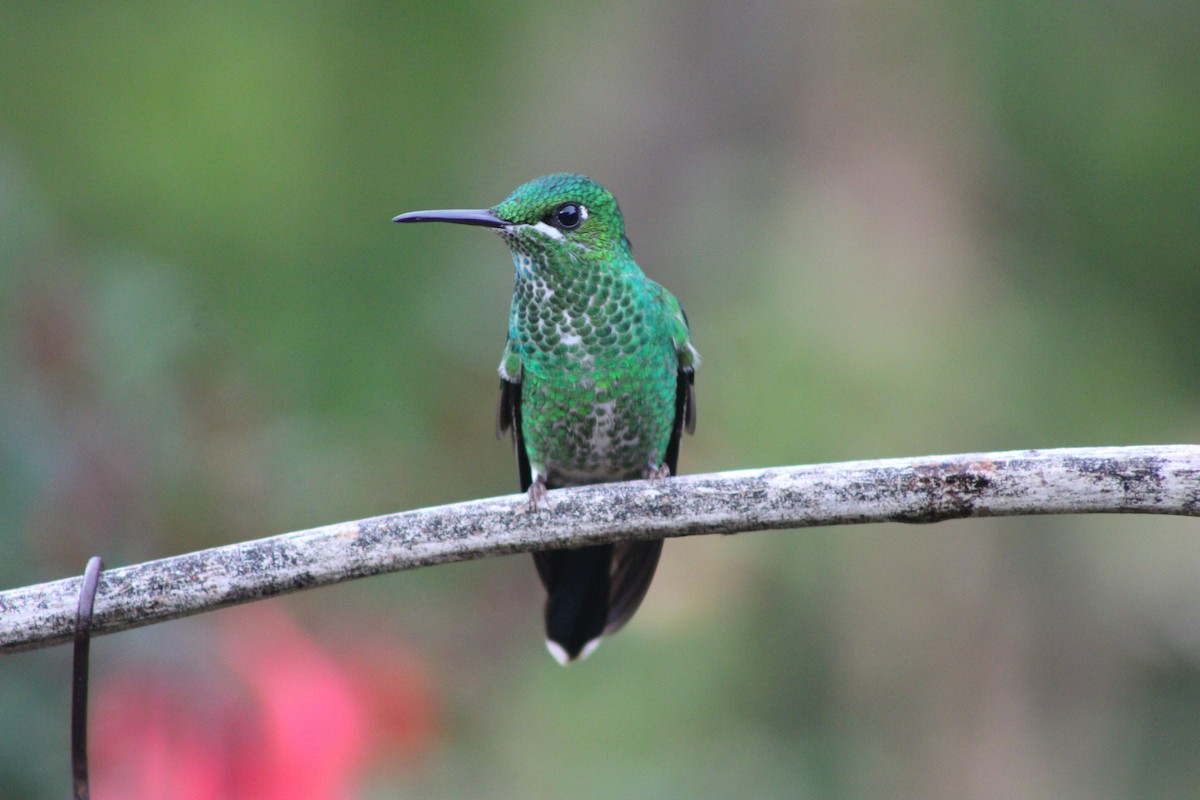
1150,480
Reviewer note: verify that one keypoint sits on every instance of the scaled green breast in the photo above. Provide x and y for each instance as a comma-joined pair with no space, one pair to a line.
599,371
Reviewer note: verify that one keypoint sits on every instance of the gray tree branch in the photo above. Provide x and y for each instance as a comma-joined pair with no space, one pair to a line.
1148,480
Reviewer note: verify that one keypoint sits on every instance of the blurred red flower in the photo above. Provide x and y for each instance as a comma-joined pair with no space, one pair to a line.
285,719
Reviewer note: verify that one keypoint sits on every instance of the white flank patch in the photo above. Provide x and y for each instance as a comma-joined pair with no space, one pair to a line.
547,230
572,338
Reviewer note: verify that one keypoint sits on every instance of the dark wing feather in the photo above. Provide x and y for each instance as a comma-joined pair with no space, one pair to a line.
685,414
508,417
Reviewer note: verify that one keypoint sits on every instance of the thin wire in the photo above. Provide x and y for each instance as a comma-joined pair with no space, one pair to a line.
79,678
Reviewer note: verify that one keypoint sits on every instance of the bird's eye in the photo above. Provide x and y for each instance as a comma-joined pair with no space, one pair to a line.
568,216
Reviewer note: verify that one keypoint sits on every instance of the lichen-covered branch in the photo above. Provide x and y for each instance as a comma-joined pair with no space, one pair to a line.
1149,480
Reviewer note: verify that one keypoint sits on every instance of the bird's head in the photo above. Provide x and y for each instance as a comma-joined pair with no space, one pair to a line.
556,220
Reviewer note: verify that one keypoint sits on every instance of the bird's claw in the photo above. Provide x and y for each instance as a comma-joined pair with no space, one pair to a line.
654,473
537,495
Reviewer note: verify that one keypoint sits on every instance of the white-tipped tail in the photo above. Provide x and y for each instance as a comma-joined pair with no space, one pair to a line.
561,656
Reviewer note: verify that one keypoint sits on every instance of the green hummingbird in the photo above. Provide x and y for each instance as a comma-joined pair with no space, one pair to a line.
596,384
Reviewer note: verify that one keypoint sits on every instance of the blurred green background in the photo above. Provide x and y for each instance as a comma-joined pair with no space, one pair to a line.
898,229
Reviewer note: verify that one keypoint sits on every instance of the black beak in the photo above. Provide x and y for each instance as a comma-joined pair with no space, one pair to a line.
481,217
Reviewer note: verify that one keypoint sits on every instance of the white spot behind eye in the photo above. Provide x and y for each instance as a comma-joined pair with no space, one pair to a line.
547,230
583,214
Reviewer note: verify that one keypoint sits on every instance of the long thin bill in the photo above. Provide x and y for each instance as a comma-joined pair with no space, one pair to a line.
481,217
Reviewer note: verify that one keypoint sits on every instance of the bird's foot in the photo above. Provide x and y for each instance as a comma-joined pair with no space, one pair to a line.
654,473
537,495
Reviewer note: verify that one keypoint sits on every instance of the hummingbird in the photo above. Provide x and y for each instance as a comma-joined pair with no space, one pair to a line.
597,384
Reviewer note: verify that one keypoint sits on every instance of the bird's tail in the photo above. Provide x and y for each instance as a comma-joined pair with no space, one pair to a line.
592,591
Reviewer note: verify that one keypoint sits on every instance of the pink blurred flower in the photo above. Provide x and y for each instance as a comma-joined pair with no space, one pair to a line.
283,719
